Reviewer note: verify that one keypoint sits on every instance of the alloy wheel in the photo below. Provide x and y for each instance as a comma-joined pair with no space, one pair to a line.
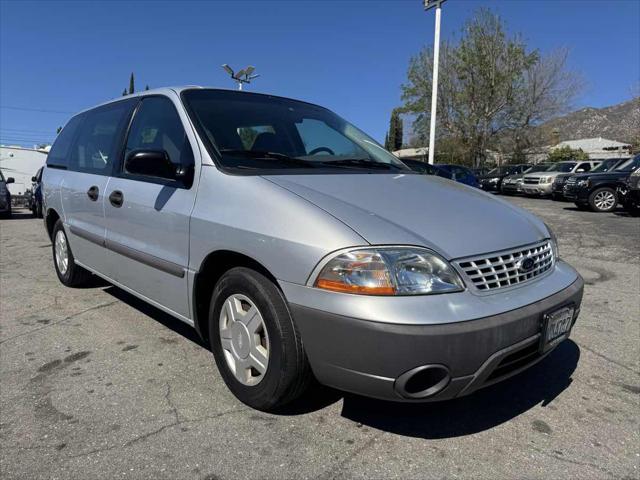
604,200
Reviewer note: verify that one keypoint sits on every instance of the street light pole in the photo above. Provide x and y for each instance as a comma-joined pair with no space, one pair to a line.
434,89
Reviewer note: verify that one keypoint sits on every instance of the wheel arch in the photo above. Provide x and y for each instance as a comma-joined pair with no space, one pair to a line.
50,219
216,264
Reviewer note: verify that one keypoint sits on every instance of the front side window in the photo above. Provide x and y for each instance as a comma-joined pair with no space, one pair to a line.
630,165
565,167
251,133
584,166
98,139
157,126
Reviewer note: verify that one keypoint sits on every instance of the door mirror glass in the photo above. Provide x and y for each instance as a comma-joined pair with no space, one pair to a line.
580,170
10,180
151,163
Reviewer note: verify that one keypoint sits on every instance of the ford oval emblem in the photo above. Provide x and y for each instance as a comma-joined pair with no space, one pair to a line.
526,265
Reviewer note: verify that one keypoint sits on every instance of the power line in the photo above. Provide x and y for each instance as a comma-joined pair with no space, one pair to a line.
26,109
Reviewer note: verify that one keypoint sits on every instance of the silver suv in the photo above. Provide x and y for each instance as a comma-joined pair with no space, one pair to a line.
298,247
541,183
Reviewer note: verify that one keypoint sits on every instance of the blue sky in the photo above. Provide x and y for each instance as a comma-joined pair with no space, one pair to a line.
350,56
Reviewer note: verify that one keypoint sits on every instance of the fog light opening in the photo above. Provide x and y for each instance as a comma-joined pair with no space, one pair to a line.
422,382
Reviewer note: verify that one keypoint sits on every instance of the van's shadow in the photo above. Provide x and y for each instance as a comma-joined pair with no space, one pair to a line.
480,411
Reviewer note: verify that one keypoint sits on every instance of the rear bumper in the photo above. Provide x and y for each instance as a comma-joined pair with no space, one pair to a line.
368,357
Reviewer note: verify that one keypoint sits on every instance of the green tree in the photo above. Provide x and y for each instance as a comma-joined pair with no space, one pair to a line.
393,140
58,130
491,88
124,92
146,87
566,153
132,85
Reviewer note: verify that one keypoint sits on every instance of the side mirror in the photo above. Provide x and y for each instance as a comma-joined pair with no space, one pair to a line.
151,163
10,180
34,179
580,170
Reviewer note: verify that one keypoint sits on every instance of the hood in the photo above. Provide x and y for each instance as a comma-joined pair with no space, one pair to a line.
603,175
453,219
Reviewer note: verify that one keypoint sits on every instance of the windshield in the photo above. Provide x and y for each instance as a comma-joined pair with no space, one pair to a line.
605,166
562,167
630,165
1,176
258,132
543,167
501,171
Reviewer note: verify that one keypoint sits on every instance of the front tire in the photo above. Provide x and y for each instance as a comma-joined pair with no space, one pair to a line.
69,273
255,343
603,200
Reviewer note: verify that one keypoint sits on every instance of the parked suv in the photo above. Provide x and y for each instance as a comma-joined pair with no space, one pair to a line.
557,189
542,183
426,168
5,196
298,247
460,174
512,184
629,192
597,191
36,194
492,180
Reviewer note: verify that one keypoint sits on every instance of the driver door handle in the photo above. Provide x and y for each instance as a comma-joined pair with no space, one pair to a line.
93,193
116,198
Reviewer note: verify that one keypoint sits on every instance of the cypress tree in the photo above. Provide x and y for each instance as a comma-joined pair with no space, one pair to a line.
124,92
146,87
393,140
132,87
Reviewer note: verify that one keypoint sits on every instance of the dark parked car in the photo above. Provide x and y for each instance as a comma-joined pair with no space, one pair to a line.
629,193
557,188
512,184
5,196
427,169
460,174
492,180
598,191
36,194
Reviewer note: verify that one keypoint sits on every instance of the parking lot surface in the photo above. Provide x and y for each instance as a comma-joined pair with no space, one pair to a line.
96,384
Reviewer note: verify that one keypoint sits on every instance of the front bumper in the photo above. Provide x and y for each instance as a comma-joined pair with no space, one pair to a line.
543,189
576,194
490,186
509,187
367,357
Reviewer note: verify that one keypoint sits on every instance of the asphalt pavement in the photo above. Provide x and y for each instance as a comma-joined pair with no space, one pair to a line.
95,384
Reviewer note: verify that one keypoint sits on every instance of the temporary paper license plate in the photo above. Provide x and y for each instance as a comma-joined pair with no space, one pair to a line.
555,327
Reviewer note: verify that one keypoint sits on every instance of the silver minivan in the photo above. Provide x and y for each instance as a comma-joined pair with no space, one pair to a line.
299,248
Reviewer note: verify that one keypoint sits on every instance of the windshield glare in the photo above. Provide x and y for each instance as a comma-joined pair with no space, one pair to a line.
251,131
630,164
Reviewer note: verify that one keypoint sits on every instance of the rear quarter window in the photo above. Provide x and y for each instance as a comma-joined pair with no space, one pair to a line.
58,156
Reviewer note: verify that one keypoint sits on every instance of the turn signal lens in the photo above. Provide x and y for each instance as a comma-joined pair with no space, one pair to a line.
389,271
360,271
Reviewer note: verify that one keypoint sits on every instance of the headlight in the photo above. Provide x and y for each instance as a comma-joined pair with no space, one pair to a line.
546,179
389,271
554,243
519,180
493,180
583,183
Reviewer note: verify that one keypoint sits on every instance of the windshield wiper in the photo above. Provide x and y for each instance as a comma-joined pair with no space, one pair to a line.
361,163
265,155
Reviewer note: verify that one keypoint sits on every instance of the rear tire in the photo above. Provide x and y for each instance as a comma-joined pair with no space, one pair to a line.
254,340
603,199
70,274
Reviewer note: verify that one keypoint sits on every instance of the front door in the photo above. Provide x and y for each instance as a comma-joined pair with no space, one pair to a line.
90,160
147,218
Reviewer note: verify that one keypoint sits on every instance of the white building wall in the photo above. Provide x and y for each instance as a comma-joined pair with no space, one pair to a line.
21,164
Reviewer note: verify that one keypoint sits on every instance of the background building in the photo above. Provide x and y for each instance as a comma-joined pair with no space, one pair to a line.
21,163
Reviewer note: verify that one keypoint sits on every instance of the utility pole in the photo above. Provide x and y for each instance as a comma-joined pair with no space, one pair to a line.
428,4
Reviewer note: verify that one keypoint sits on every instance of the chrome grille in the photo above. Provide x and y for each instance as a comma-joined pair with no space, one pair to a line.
504,269
532,180
571,180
